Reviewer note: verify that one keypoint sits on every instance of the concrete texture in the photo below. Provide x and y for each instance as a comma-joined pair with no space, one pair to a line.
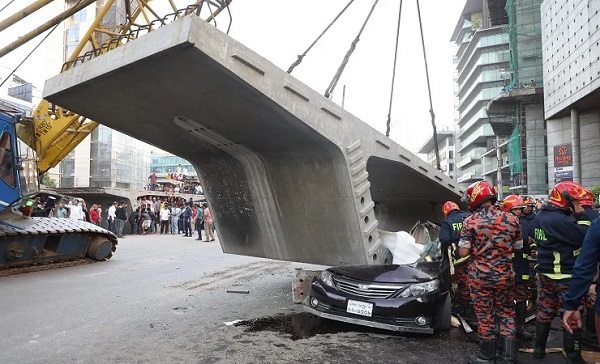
287,173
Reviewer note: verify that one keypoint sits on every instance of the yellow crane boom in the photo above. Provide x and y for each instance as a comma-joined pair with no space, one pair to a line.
53,132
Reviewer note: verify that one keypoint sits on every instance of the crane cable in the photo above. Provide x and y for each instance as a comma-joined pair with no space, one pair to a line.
435,140
389,117
338,74
7,5
301,56
36,47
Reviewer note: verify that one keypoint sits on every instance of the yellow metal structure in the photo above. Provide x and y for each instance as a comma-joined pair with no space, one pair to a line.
53,131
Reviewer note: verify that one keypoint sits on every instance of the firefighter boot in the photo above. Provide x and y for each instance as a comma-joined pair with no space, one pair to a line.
542,330
520,314
510,351
487,354
572,348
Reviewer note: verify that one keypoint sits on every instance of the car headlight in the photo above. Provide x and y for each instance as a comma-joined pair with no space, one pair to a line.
420,289
327,278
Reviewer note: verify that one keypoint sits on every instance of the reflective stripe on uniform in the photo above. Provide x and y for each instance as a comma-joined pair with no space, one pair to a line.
461,260
584,222
557,276
525,277
556,262
576,252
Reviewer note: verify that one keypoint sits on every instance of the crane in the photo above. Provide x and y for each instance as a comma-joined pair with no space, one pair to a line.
52,131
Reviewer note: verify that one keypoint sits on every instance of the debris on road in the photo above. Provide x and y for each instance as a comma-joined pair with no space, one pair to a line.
243,291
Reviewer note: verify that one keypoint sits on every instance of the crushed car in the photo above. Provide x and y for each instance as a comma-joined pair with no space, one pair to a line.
413,297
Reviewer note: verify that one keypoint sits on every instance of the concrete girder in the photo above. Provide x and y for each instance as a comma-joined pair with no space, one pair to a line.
287,173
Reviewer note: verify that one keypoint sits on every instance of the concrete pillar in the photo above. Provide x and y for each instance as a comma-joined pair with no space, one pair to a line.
575,142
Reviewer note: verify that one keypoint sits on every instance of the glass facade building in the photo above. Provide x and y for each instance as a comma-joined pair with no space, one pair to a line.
482,62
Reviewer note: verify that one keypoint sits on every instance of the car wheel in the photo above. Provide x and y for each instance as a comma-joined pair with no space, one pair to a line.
444,314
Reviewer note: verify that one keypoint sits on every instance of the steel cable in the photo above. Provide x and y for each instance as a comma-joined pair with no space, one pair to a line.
389,117
301,56
340,70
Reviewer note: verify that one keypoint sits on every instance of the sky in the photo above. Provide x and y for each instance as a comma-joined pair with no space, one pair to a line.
279,30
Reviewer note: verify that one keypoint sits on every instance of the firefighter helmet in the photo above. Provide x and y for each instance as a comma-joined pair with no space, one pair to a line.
512,202
588,199
479,192
448,207
564,193
528,201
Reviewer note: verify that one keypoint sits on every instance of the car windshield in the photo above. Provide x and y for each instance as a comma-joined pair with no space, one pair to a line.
432,251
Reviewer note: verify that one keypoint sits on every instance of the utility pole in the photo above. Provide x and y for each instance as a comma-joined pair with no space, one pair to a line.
499,171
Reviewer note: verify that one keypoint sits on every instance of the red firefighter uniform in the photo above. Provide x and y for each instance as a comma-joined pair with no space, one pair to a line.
491,235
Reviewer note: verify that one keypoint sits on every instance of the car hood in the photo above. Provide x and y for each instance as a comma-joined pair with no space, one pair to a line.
390,273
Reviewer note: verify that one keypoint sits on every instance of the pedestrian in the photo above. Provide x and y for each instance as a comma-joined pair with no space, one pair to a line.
112,217
187,216
490,236
121,217
175,213
559,229
94,216
199,221
164,219
75,211
61,211
152,221
514,204
583,279
146,221
133,221
208,223
449,237
152,181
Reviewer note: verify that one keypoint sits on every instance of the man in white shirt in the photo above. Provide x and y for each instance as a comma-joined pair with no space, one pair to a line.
164,219
76,212
112,217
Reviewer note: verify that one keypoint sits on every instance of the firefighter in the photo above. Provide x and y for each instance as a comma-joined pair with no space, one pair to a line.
515,205
526,221
449,236
586,203
584,275
490,235
559,229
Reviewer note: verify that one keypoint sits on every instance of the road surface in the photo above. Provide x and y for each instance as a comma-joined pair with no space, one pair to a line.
163,299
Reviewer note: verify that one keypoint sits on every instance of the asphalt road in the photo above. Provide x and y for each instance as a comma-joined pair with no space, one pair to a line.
163,299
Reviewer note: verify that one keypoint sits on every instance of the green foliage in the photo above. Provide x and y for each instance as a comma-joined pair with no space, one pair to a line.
48,182
596,190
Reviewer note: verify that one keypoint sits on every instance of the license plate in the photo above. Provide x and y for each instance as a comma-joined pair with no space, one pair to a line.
360,308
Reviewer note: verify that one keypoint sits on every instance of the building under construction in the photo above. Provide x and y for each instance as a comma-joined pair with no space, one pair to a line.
501,131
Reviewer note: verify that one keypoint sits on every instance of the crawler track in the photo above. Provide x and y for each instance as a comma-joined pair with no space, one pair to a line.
5,272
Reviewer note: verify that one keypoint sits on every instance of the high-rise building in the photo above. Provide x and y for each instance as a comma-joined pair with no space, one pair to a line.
106,158
482,64
445,139
501,131
571,58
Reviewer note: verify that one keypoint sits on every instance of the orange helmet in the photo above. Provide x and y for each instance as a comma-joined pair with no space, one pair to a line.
563,193
479,192
448,207
512,202
588,199
528,201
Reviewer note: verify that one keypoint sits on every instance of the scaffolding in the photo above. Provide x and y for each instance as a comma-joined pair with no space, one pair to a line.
522,90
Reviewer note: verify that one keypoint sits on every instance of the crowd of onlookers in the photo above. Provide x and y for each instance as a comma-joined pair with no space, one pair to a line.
172,215
167,215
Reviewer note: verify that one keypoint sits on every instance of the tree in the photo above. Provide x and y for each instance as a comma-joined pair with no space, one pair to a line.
48,182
